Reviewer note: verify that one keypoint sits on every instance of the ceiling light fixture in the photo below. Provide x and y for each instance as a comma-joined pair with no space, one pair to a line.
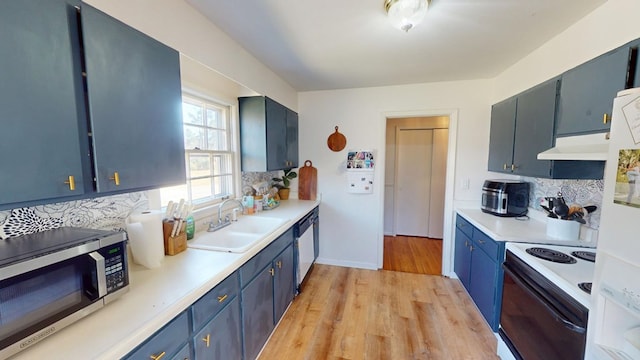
406,14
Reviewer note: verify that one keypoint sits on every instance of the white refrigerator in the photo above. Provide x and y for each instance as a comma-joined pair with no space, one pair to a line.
614,317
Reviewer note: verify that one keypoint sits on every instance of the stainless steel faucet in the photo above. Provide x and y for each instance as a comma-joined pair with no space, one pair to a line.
213,226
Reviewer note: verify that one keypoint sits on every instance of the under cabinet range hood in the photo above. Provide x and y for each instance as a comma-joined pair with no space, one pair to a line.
592,147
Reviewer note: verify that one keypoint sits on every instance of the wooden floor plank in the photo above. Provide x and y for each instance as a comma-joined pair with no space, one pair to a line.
413,254
356,314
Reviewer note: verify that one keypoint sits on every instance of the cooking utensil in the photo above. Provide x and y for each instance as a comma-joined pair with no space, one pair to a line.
336,141
590,208
307,181
549,212
562,210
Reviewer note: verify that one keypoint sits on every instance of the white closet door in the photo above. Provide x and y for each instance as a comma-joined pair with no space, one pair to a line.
413,181
438,178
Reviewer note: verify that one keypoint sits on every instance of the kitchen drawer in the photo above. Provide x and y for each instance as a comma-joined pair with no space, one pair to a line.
215,300
184,353
464,226
166,341
252,267
487,244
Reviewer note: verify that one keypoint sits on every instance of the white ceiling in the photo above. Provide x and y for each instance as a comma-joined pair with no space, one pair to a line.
338,44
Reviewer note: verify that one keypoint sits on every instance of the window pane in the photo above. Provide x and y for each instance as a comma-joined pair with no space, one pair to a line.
200,189
193,137
200,165
192,114
223,185
222,164
215,118
217,140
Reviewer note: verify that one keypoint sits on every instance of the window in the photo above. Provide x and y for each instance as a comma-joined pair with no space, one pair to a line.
209,156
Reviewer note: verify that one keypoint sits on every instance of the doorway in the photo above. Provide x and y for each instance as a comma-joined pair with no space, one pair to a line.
415,177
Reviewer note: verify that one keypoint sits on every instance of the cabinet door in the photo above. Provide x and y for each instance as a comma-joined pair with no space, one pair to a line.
292,139
483,285
283,282
257,312
503,121
221,337
41,103
588,91
276,135
535,119
135,104
462,258
166,341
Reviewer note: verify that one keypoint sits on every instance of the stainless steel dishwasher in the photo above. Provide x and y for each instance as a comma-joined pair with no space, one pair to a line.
306,245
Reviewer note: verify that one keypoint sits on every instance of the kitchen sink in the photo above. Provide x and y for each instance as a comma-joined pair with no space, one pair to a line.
239,236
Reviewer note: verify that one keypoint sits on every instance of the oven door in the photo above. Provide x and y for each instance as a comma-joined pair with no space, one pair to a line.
35,304
538,320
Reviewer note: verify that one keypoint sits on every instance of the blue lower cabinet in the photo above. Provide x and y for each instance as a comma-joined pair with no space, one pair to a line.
283,282
166,342
221,338
257,312
478,264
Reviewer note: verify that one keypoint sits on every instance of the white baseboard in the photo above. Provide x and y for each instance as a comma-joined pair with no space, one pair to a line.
351,264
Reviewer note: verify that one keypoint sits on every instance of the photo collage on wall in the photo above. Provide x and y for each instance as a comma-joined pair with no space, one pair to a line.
360,160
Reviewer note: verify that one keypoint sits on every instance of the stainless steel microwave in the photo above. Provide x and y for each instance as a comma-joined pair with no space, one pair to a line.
506,198
52,278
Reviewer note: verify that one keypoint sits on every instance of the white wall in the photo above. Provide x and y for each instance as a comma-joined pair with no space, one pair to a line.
352,225
177,24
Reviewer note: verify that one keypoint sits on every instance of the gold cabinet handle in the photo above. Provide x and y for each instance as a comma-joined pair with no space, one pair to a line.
71,182
222,298
206,339
504,166
158,357
513,167
279,263
116,178
481,242
272,272
605,118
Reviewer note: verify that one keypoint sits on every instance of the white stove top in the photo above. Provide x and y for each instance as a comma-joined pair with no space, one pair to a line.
565,276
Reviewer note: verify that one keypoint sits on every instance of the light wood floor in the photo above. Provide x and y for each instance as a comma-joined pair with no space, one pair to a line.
346,313
413,254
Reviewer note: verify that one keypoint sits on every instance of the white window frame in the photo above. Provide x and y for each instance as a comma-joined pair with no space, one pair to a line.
231,132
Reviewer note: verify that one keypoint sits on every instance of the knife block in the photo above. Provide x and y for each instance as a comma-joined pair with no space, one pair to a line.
173,244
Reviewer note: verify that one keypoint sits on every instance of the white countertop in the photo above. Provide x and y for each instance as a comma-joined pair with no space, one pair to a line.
531,230
156,296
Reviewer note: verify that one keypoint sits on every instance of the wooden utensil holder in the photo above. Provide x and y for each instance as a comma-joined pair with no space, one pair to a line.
173,244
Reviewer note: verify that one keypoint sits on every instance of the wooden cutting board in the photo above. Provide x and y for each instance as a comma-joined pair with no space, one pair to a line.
336,141
307,181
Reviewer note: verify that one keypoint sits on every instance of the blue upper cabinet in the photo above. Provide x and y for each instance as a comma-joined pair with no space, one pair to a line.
83,97
521,127
268,135
134,93
535,119
587,94
40,141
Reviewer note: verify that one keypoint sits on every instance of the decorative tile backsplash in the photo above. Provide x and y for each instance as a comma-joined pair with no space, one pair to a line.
111,212
579,192
250,178
104,213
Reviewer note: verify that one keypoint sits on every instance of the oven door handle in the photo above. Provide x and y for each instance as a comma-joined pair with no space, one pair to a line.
556,315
